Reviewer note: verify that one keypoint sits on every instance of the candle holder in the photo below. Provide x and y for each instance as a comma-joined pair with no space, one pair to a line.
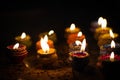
47,59
16,55
79,60
109,69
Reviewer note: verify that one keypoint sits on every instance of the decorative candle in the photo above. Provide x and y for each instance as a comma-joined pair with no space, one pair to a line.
80,59
109,65
49,42
75,36
17,52
94,25
51,35
106,38
24,39
71,30
46,55
102,30
107,48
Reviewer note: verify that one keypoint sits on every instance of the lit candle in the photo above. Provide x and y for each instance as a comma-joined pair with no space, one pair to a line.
72,29
107,48
46,55
75,36
109,65
106,38
102,30
80,59
24,39
51,35
49,42
17,52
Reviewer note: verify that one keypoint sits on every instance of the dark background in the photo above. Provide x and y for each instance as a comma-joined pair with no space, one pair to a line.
35,17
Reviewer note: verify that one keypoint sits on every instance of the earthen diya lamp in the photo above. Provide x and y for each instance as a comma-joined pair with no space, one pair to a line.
46,55
110,65
80,59
16,53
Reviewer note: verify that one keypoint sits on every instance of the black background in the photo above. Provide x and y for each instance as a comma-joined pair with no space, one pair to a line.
34,17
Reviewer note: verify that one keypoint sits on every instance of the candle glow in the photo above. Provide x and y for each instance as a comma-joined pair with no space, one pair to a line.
44,45
51,32
100,20
111,33
112,56
112,44
77,42
23,35
83,45
72,27
16,46
79,34
104,23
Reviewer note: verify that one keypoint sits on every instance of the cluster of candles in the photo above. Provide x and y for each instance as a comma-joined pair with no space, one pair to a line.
76,41
109,58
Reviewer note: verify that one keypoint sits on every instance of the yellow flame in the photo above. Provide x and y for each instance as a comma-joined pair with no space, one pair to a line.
46,38
112,56
77,42
79,34
104,23
72,27
100,20
50,32
111,33
23,35
112,44
16,46
44,45
83,45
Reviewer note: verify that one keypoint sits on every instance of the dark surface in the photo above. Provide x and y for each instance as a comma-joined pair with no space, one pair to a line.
38,17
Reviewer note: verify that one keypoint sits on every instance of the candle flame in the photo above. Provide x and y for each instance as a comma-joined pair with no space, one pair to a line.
46,38
72,27
112,56
16,46
23,35
112,44
79,34
44,45
111,33
77,42
50,32
100,20
104,23
83,45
